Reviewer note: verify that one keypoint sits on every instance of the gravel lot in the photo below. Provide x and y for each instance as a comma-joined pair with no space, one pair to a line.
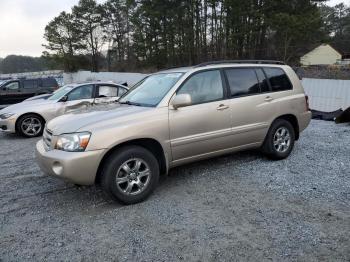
236,207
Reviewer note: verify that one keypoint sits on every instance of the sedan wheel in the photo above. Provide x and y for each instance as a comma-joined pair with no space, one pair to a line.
30,125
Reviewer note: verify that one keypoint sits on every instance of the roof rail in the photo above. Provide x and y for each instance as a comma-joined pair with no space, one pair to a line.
273,62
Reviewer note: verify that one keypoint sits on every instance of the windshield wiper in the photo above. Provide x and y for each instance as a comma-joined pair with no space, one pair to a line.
130,103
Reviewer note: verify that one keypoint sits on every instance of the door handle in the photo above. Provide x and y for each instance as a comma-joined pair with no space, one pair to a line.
268,99
222,107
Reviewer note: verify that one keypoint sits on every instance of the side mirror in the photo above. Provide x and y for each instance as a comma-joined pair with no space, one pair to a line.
181,100
64,99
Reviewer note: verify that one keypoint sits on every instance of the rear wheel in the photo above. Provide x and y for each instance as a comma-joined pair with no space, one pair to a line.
280,139
130,174
30,125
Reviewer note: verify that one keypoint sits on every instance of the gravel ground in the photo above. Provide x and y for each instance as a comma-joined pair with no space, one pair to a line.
236,207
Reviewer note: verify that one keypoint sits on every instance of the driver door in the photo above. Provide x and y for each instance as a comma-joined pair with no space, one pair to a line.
203,127
79,98
11,93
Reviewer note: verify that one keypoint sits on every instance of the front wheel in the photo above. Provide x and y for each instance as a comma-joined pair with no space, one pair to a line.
130,174
30,125
280,139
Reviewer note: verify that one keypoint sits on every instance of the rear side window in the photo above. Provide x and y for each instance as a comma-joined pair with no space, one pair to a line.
30,84
242,81
279,81
107,91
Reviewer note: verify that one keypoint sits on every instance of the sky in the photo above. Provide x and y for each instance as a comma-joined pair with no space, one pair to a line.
22,23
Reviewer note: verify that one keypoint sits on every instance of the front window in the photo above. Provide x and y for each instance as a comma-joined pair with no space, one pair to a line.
59,93
151,90
12,86
81,92
204,87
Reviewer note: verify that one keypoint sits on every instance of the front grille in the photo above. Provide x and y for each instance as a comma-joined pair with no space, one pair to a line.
47,138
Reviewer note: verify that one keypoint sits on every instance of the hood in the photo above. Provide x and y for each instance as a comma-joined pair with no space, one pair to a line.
44,96
24,106
82,119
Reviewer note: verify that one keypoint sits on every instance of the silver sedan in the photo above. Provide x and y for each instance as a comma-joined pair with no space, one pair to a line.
28,118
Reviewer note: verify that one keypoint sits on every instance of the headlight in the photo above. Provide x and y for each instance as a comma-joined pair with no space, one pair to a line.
6,115
76,142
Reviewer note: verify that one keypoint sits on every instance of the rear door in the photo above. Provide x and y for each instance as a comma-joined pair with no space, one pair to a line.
250,105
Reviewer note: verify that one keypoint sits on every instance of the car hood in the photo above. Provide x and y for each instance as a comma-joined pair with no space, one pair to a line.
82,119
26,106
43,96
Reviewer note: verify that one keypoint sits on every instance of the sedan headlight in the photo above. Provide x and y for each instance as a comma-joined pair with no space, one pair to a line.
75,142
6,115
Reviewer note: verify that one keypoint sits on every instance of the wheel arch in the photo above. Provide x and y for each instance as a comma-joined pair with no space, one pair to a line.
294,122
29,113
148,143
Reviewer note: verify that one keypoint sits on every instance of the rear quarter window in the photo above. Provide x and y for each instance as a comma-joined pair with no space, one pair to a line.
278,79
49,82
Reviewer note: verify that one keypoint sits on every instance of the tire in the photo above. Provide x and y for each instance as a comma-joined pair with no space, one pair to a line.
35,124
280,139
134,185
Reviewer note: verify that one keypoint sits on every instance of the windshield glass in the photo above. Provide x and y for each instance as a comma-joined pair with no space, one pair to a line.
151,90
60,92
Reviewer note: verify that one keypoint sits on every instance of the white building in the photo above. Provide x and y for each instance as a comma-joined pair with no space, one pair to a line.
322,55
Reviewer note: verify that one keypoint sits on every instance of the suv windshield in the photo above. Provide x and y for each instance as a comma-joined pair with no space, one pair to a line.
151,90
60,92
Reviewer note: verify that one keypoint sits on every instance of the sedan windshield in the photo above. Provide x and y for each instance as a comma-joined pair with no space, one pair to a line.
151,90
59,93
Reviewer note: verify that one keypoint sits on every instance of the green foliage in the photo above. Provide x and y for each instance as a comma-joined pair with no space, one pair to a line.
163,33
19,64
336,23
64,40
87,16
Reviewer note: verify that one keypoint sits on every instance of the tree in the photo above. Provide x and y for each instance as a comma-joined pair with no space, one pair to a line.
87,17
63,40
20,64
164,33
336,23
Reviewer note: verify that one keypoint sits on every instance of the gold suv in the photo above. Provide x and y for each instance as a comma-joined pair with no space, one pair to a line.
175,117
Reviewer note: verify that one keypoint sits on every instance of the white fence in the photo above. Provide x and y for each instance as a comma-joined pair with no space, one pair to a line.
83,76
327,95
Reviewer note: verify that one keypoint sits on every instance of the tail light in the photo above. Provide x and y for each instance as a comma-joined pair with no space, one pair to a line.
307,103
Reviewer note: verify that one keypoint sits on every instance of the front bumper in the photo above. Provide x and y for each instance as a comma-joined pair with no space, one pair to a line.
76,167
8,125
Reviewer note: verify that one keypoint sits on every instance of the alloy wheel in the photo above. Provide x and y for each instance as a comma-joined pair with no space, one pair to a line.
133,176
31,126
281,140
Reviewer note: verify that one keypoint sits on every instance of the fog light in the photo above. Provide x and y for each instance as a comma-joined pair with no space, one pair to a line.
57,168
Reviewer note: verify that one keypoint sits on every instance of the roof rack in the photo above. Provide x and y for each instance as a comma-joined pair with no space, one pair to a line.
274,62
